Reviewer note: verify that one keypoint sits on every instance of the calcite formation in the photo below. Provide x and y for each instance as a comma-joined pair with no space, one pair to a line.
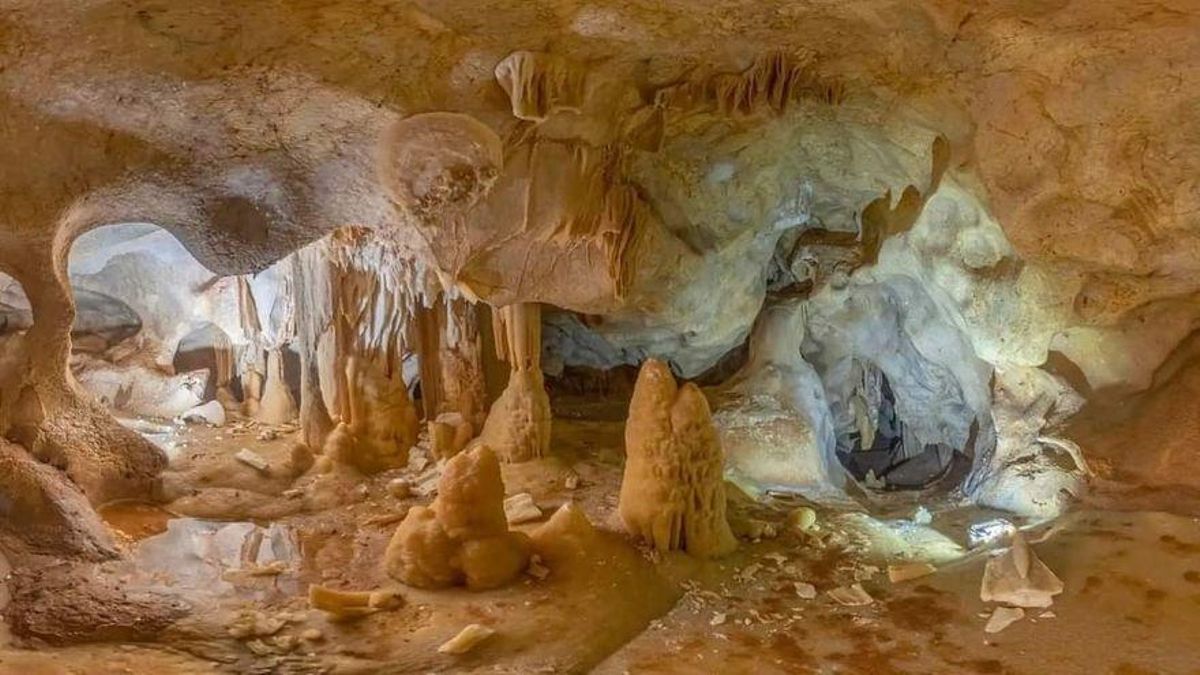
463,537
378,423
518,425
673,490
950,248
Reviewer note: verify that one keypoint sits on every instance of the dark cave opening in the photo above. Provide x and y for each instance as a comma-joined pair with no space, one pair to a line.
880,453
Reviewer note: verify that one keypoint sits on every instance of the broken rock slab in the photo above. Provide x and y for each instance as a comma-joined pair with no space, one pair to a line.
520,508
466,640
1002,618
851,596
1018,578
209,413
252,459
898,574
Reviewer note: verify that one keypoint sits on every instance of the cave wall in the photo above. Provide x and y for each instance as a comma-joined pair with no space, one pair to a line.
589,158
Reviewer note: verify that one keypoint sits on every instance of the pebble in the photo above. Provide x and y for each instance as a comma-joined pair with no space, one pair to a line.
399,488
466,640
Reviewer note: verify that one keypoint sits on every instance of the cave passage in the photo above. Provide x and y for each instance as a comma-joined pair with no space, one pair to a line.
881,453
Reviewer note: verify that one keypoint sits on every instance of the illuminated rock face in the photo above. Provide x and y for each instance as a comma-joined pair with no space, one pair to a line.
921,204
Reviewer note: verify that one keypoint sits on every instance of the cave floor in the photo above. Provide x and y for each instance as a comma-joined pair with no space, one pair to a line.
236,544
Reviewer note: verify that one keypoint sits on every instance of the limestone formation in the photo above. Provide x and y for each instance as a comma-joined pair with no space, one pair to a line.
277,405
518,425
947,248
463,537
378,423
673,491
448,434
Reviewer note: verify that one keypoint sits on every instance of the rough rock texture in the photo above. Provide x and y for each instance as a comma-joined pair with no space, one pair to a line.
463,537
673,491
663,169
42,513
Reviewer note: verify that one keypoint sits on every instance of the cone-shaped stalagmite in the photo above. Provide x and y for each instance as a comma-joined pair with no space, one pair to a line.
518,426
277,405
673,493
463,537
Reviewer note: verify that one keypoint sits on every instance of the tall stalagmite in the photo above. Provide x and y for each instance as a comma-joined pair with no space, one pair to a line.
518,426
673,492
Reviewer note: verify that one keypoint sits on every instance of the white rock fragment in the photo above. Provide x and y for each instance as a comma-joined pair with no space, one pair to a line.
572,481
989,532
717,619
1002,618
907,572
536,569
922,516
520,508
851,596
252,459
210,413
805,590
1047,615
466,640
1018,578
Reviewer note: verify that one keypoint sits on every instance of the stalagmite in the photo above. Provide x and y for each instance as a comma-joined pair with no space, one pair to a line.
373,304
379,423
463,537
518,426
448,434
277,405
673,492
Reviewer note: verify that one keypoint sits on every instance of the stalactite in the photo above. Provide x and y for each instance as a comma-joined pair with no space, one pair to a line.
253,365
224,371
772,81
518,426
373,295
425,337
313,301
540,84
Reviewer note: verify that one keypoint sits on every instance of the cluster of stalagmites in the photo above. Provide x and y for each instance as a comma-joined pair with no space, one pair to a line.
463,537
673,492
672,496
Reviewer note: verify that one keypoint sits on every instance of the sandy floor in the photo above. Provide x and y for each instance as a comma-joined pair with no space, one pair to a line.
236,544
